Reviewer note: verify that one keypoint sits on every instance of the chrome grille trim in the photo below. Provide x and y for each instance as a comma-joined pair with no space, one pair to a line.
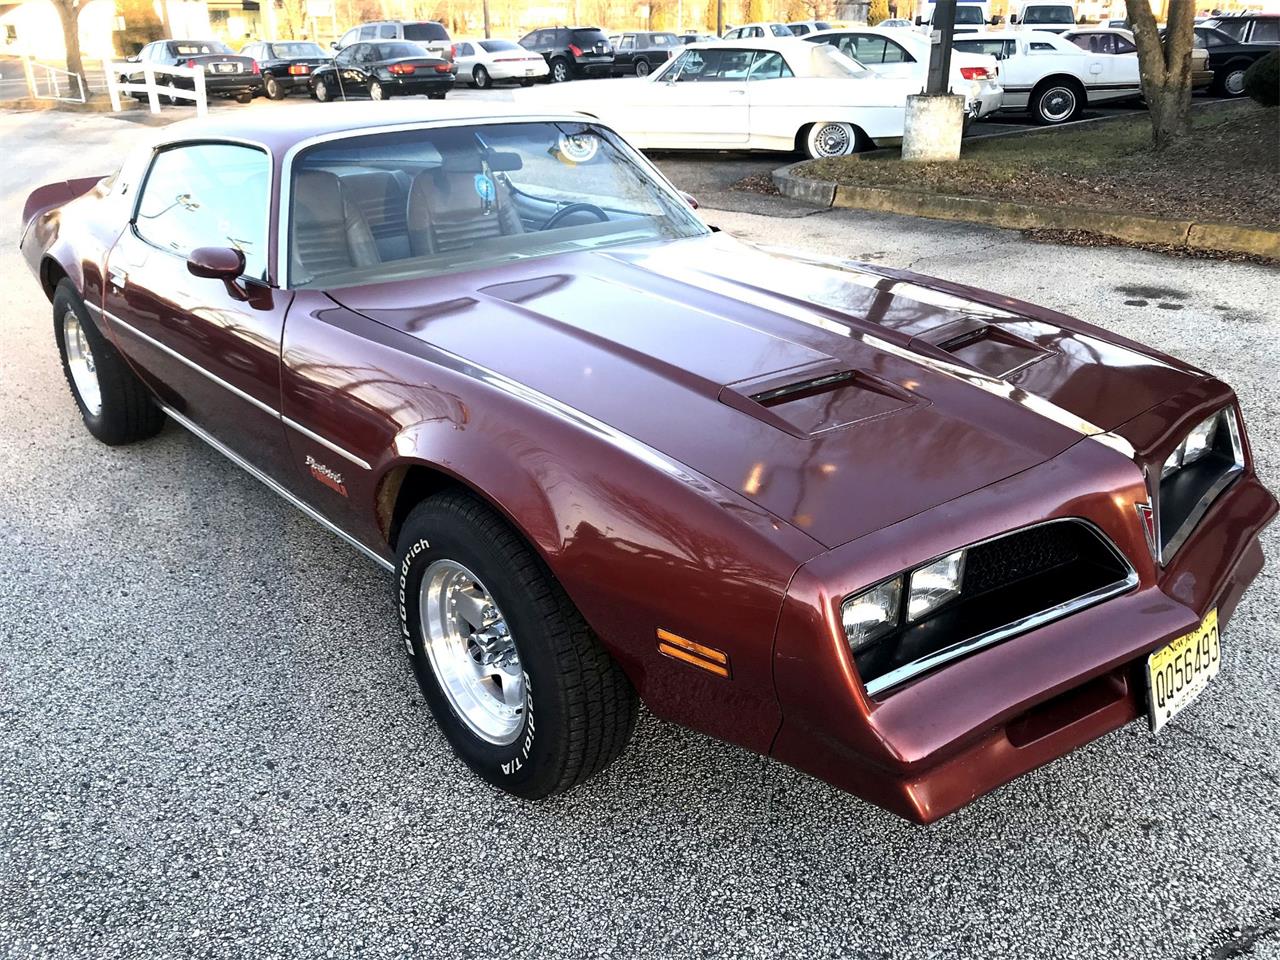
1023,625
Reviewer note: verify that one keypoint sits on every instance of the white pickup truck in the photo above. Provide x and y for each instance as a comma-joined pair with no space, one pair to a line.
1050,77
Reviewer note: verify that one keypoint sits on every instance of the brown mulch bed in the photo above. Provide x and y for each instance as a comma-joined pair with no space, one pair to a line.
1226,171
757,183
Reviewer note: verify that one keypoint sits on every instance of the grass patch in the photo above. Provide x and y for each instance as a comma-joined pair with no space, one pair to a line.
1227,171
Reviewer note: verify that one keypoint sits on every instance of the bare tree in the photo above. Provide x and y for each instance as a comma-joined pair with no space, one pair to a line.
69,14
1165,67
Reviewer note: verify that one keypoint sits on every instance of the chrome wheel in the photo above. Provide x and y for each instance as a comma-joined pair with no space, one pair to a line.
84,374
1058,104
831,140
472,652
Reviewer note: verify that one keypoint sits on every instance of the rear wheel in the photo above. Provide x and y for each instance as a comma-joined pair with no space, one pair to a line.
559,70
522,689
526,83
642,68
1230,81
830,138
436,94
377,91
244,98
480,77
1057,101
272,88
169,99
116,407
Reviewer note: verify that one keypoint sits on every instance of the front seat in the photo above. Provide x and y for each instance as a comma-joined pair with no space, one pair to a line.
330,234
447,212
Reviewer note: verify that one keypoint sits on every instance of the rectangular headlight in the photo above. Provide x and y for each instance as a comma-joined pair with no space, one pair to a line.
1200,440
869,615
934,584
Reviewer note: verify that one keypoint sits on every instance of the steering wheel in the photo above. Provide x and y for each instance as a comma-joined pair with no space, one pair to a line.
563,212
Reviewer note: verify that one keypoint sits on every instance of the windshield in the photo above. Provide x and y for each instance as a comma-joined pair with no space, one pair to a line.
197,48
419,203
425,32
294,51
1053,14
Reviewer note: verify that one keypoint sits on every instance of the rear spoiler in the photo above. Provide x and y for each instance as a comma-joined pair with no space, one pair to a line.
51,195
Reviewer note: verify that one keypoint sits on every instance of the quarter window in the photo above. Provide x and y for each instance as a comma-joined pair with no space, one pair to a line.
769,66
208,195
1265,31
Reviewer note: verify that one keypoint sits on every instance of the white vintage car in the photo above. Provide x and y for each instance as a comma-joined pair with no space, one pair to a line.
770,94
1050,77
893,53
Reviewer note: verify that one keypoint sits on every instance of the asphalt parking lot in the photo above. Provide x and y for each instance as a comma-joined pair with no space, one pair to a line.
211,743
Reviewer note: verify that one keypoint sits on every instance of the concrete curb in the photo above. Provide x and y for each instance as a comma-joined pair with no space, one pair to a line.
1217,237
96,104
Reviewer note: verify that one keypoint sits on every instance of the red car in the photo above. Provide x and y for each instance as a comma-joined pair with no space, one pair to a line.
909,536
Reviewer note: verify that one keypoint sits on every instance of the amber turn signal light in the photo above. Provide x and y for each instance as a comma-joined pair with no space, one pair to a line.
696,654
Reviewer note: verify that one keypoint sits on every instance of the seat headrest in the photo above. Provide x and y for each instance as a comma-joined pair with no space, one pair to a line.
317,198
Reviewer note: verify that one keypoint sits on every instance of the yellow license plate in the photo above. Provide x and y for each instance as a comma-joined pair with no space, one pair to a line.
1178,672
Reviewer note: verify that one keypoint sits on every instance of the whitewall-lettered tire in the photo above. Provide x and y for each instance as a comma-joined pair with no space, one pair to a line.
521,687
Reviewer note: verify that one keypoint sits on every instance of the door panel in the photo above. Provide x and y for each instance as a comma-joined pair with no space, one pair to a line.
210,348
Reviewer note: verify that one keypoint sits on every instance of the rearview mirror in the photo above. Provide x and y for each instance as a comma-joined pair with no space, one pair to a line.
216,263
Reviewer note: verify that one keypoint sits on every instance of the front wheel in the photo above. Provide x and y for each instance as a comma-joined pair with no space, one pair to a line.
522,689
481,79
1058,102
830,139
116,407
320,90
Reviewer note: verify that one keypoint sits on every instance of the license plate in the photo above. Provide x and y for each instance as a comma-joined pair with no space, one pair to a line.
225,67
1178,672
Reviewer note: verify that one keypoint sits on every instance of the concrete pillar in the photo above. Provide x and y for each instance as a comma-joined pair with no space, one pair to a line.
934,126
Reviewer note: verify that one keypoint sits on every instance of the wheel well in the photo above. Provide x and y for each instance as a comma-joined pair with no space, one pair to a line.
51,274
800,135
404,487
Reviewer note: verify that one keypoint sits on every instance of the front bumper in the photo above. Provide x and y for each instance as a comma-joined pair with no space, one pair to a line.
929,748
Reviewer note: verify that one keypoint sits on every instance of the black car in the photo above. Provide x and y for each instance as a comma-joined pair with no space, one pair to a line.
1249,27
572,51
286,65
1229,58
641,51
383,70
225,73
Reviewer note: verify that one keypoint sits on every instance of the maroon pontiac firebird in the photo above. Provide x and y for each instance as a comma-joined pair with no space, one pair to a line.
911,537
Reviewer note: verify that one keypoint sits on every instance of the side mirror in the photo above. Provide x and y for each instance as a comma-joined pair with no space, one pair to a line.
689,199
995,21
216,263
1013,18
134,59
919,22
333,44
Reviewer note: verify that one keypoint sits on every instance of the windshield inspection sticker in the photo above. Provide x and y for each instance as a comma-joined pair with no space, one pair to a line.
577,148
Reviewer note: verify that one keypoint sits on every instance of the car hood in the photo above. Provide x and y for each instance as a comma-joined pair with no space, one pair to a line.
839,397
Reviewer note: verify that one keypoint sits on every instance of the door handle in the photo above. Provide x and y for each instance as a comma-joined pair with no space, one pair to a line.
117,277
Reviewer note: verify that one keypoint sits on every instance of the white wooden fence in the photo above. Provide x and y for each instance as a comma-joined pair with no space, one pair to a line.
152,87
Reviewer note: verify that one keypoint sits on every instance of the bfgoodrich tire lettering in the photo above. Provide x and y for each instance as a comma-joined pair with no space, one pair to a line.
121,411
579,709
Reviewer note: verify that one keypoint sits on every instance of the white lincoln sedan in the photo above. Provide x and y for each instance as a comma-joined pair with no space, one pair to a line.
768,94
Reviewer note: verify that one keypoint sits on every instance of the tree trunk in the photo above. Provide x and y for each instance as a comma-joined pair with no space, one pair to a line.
1164,67
69,14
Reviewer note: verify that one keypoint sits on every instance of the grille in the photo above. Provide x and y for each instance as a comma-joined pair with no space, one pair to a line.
1020,556
1010,585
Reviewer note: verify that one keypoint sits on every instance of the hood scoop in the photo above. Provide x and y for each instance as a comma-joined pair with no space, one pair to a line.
815,399
984,346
